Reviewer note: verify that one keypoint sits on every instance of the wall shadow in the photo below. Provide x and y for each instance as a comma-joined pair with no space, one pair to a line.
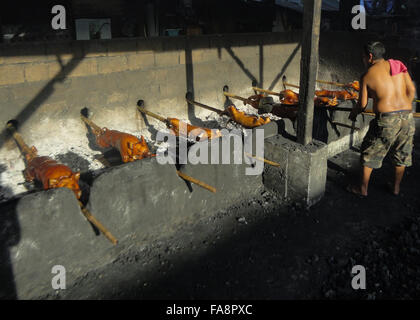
284,68
9,237
42,95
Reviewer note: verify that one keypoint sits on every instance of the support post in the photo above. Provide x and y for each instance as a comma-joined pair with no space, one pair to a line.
308,69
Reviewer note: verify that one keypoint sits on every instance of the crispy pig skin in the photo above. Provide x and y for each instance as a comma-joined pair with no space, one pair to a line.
52,174
129,146
248,121
199,133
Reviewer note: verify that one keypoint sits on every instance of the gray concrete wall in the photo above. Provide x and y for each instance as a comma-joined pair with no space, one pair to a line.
138,202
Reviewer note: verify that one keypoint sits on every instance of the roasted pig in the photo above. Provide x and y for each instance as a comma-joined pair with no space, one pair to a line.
247,121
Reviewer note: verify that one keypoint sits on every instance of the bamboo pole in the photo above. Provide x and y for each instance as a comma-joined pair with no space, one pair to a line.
291,85
19,139
196,181
333,83
153,115
272,163
205,106
266,91
219,112
97,224
96,129
231,95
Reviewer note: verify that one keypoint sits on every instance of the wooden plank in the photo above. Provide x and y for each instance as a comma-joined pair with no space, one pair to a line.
308,69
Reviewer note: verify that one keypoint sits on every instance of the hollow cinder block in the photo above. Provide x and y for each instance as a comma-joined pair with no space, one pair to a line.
302,174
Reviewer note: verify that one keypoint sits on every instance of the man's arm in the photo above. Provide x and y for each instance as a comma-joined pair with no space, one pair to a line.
410,88
362,102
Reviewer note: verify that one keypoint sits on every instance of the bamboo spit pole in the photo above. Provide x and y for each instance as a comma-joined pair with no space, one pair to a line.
231,95
196,181
17,136
96,129
219,112
180,174
333,83
19,139
275,164
97,224
291,85
266,91
205,106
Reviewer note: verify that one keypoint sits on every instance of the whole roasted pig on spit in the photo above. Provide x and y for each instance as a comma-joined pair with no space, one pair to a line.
45,169
175,124
53,175
130,147
246,120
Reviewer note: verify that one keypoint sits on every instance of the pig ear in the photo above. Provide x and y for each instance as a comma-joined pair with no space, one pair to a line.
142,140
52,182
33,149
77,176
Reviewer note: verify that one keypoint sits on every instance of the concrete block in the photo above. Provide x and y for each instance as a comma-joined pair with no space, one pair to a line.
275,178
167,58
45,229
233,181
19,53
140,61
36,72
112,64
121,47
303,171
94,48
86,67
63,51
11,74
144,205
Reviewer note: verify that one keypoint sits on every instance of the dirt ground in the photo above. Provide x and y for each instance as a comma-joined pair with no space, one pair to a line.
260,250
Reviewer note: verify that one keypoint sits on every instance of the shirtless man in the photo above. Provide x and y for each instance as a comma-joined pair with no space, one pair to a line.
388,83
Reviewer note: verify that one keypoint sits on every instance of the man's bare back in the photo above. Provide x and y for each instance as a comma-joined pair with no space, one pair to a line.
389,93
391,132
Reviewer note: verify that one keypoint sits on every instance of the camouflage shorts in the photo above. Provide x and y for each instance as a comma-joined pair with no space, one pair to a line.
391,133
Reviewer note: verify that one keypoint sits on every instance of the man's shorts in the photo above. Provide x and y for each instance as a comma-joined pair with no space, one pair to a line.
391,132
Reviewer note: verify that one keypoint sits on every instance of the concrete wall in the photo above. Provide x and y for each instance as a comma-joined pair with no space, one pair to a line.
138,202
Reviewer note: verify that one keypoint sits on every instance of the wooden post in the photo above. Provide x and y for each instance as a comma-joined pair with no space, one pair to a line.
308,69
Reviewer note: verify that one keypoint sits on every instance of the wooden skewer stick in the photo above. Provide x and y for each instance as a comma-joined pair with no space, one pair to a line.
275,164
196,181
205,106
19,139
182,175
97,224
231,95
153,115
96,129
219,112
291,85
86,213
266,91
